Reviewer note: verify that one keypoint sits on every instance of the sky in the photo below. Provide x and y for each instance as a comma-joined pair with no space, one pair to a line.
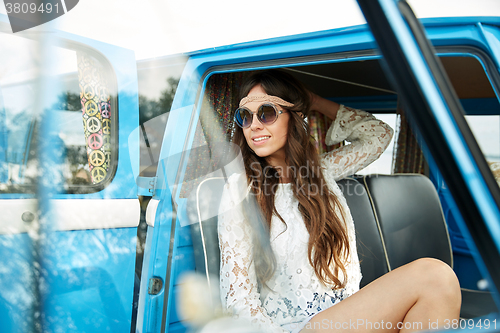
154,28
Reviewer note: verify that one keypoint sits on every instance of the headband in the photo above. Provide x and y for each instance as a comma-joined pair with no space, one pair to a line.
265,98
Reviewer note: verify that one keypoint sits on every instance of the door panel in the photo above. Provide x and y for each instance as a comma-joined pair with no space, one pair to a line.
68,234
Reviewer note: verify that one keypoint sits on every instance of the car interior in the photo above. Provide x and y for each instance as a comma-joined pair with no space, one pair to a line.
392,228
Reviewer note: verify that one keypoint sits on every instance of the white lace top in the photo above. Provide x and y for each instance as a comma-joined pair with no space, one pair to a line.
294,292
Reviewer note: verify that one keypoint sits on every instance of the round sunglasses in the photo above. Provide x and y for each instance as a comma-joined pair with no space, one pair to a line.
267,114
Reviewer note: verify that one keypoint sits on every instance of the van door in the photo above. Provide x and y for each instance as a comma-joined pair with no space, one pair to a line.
68,196
157,296
435,109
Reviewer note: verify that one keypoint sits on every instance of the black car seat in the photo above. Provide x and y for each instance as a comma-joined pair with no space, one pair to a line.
369,243
413,226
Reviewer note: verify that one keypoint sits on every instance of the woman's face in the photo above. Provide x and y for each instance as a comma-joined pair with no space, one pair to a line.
267,140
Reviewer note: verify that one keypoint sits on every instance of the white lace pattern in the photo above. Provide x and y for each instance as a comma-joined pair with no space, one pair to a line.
294,293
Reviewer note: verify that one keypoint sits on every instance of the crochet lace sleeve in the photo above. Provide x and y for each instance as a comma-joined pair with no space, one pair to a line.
368,138
239,292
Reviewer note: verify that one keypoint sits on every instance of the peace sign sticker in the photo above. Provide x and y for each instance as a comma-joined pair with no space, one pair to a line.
98,174
106,126
105,110
108,156
93,124
95,141
91,108
97,158
103,93
88,91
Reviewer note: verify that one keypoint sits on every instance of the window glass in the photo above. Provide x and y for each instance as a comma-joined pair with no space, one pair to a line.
158,80
83,113
472,81
210,149
486,130
17,75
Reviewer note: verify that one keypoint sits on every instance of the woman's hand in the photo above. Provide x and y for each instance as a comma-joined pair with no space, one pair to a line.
323,105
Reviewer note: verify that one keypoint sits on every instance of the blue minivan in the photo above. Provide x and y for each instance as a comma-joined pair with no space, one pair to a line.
111,168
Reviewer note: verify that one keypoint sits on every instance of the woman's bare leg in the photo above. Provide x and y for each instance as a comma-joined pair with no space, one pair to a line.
424,294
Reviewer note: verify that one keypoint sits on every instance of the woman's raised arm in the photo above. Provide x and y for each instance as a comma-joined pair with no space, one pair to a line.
368,137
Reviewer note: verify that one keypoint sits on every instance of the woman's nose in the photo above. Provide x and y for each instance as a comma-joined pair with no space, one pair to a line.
256,124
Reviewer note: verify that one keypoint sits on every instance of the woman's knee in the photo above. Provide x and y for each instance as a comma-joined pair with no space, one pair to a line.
434,270
437,278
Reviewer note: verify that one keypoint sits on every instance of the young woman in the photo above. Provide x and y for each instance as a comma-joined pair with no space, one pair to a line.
304,275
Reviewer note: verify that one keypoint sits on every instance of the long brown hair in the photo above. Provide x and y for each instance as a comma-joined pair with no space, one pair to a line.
320,208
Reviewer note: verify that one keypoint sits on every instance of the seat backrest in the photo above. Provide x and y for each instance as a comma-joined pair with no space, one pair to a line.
409,212
370,246
203,204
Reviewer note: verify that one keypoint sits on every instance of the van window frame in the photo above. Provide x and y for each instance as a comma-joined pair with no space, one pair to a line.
28,190
115,118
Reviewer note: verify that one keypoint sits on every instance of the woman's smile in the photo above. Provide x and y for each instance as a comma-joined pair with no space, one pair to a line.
260,139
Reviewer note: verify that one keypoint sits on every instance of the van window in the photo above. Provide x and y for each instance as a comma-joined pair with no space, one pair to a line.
157,80
476,88
84,108
486,129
